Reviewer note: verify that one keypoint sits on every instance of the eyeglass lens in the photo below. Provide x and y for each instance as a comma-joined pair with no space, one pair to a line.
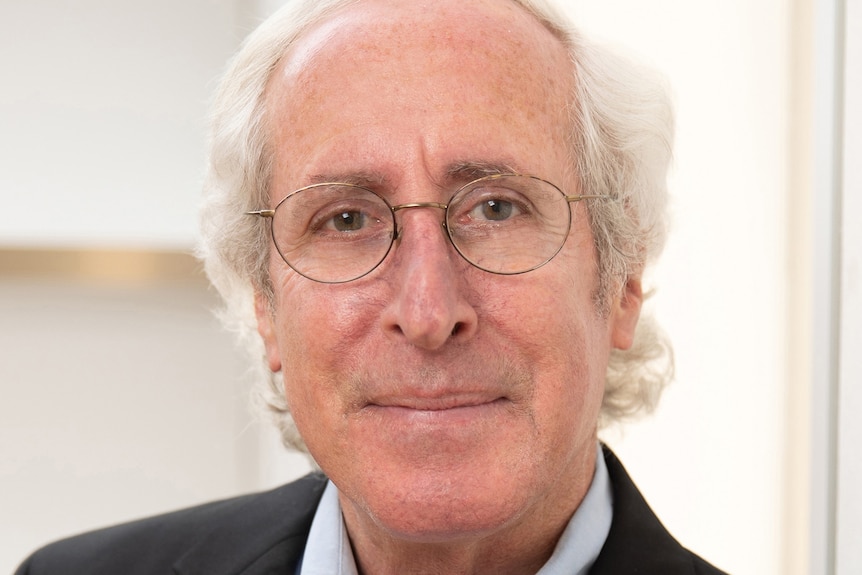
335,233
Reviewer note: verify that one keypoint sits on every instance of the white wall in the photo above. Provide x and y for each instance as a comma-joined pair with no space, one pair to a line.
103,108
119,401
849,473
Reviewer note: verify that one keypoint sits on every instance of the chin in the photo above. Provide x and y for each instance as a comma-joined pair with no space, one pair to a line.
441,518
440,499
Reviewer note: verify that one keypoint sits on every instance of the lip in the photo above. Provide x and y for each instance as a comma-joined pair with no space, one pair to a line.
436,403
444,414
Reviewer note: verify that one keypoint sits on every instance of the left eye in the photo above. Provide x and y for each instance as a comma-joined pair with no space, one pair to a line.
494,209
349,221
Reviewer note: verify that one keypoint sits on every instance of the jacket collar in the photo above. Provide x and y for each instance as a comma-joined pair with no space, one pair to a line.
637,542
266,536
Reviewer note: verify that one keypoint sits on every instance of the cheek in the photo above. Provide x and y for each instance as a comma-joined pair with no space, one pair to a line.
321,332
566,341
316,320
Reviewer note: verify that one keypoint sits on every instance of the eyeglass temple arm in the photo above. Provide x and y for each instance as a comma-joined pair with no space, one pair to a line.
586,197
261,213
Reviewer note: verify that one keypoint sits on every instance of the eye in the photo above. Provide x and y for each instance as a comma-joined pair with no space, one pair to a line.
330,232
490,205
349,218
349,221
494,210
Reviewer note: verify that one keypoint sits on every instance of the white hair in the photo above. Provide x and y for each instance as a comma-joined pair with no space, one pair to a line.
621,139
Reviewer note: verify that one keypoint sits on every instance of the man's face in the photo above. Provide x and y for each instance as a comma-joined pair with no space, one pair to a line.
442,400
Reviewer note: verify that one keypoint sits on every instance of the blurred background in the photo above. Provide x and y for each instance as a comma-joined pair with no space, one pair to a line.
121,396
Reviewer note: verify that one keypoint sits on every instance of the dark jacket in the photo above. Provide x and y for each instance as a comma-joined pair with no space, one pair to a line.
265,534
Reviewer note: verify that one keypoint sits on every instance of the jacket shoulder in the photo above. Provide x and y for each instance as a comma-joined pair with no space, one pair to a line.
232,531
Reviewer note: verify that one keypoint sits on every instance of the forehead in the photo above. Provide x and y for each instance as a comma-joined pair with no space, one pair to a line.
395,69
491,30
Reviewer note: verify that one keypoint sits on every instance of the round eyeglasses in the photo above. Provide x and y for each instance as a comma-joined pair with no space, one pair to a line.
503,224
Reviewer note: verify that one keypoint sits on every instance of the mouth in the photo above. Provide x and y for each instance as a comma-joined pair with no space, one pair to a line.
440,403
440,413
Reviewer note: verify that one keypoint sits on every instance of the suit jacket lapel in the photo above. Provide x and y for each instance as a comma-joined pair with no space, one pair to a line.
267,538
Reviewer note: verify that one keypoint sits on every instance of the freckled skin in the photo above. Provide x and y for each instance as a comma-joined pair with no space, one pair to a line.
455,409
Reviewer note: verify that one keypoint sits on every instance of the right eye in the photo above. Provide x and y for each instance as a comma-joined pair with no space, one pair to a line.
349,219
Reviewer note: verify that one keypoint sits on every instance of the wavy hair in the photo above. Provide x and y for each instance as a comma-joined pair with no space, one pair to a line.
620,142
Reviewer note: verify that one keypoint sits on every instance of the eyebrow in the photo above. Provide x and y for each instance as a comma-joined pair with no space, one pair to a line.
467,171
365,179
458,172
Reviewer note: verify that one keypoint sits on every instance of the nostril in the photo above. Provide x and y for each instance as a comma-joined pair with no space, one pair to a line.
457,328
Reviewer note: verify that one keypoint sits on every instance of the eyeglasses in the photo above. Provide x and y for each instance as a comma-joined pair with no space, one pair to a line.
503,224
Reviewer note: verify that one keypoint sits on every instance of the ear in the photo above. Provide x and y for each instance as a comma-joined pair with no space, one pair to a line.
625,313
266,329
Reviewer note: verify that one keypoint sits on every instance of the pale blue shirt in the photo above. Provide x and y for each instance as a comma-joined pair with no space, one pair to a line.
328,550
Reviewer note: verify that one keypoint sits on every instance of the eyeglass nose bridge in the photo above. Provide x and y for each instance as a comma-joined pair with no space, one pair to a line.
400,207
411,205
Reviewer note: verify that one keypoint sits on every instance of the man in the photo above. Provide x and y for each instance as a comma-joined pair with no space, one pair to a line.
440,214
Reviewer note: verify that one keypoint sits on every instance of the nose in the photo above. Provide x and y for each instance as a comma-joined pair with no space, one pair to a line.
429,306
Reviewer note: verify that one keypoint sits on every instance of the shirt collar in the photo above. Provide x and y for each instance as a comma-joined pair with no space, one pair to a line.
582,541
328,549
